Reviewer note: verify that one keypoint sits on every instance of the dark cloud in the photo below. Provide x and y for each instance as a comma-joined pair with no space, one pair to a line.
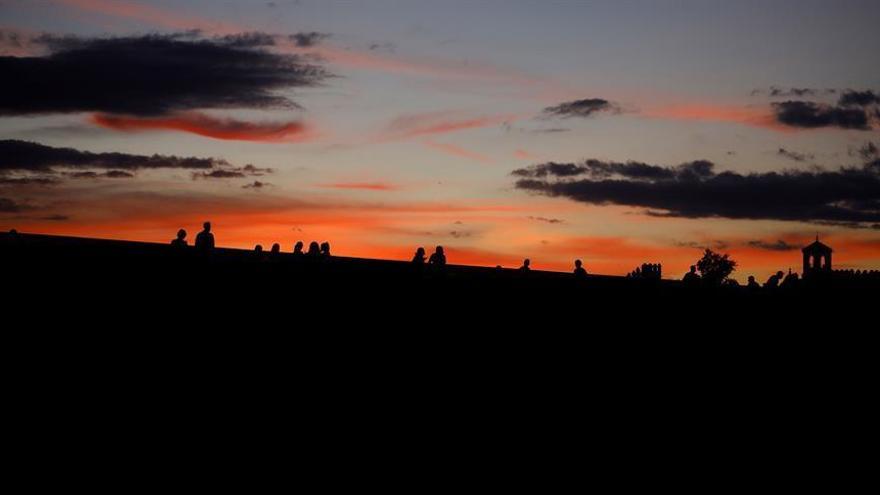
10,206
695,190
808,114
256,185
308,39
777,92
26,181
630,170
779,245
794,155
854,110
547,220
859,98
254,39
219,174
27,156
581,108
229,172
55,218
702,246
26,163
151,75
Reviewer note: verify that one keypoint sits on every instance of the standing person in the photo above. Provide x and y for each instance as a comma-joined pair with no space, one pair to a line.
526,266
438,258
205,239
579,272
691,278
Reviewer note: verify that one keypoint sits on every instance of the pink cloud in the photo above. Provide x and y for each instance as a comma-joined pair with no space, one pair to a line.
523,154
432,123
212,127
746,115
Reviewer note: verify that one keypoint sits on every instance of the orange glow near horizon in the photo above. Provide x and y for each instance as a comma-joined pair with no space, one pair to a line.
355,232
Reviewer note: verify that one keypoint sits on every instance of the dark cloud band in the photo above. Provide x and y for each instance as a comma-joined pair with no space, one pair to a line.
152,75
26,156
695,190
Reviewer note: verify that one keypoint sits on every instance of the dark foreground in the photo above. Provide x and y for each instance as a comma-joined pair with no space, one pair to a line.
163,286
129,345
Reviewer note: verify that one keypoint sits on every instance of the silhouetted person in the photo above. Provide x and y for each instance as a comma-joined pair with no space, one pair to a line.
526,266
276,249
579,272
314,250
180,241
298,248
773,281
437,259
753,285
691,278
419,257
258,249
205,239
325,249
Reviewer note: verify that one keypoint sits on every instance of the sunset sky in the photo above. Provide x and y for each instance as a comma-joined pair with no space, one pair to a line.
618,132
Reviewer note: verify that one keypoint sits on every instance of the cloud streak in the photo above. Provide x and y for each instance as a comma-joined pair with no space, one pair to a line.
434,123
26,156
209,126
458,151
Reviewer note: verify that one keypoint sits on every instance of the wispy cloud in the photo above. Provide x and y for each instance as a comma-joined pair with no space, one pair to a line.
457,151
435,123
368,186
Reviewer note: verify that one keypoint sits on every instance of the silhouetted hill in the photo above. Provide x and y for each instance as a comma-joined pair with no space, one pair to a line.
143,327
157,279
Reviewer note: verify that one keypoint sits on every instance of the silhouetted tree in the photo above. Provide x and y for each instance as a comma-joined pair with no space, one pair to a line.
715,268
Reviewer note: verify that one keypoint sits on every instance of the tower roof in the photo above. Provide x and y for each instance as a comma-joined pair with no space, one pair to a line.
817,247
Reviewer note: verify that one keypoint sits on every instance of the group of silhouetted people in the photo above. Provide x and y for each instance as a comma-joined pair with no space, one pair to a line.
648,271
315,250
778,280
437,259
205,243
204,239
